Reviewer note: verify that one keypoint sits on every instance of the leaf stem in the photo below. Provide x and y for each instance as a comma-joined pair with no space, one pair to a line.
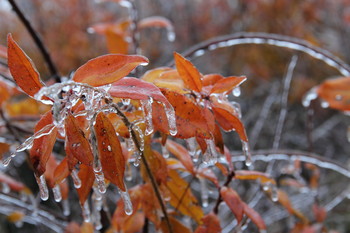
37,40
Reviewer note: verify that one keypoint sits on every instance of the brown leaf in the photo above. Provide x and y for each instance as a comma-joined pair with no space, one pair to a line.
181,153
254,216
336,93
155,21
233,201
76,142
110,151
188,72
176,225
107,69
254,175
87,177
211,224
227,84
42,147
22,68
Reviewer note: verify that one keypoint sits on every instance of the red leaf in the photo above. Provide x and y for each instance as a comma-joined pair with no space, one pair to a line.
110,151
188,72
233,201
76,142
155,21
211,79
254,175
22,68
211,224
227,84
180,153
87,177
254,216
61,171
42,147
154,74
230,122
336,93
107,69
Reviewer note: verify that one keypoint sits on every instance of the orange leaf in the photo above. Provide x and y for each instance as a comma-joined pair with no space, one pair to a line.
233,201
76,142
116,42
254,216
155,21
180,153
211,79
154,74
176,225
211,224
227,84
284,201
22,69
61,171
229,122
110,151
107,69
254,175
208,174
188,72
42,147
336,93
87,177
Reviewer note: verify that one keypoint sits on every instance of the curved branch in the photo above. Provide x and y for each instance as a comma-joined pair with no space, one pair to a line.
37,40
270,39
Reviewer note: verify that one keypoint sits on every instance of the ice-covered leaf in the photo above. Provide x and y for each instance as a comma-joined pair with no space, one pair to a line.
180,153
110,151
208,174
227,84
233,201
176,225
154,74
42,147
285,202
254,175
87,177
336,92
211,79
107,69
76,142
22,69
178,191
61,172
254,216
229,122
211,224
188,72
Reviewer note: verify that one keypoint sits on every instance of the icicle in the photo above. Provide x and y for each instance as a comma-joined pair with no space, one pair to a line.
147,109
165,152
97,166
170,114
127,202
137,158
126,102
5,188
5,162
171,35
76,179
191,146
262,231
140,137
237,109
65,207
210,155
44,192
86,212
129,143
310,95
204,192
96,208
246,152
128,173
196,156
236,92
272,188
57,193
100,178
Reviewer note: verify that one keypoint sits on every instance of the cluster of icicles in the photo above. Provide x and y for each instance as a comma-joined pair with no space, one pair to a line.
63,97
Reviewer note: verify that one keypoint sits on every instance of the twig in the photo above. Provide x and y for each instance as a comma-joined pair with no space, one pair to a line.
37,40
219,200
270,39
144,160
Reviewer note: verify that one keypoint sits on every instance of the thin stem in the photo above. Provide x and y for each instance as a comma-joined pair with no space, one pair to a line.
144,160
37,40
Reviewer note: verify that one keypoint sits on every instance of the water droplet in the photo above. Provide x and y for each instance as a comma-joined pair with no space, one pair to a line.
236,92
5,162
140,137
199,53
90,30
310,95
100,181
170,114
130,146
76,179
171,35
126,102
274,193
44,192
165,152
137,158
324,104
246,152
57,193
204,192
86,212
127,202
109,148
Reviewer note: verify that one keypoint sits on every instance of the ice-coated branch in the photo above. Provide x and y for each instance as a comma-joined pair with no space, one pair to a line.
293,43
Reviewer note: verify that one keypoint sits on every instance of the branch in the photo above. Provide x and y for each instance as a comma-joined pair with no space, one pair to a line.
37,40
270,39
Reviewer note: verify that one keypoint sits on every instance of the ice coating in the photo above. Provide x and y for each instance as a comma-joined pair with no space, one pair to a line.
57,193
170,114
44,192
127,201
65,207
97,204
86,212
191,146
210,156
309,96
204,192
165,152
236,92
147,109
140,137
76,179
246,152
5,188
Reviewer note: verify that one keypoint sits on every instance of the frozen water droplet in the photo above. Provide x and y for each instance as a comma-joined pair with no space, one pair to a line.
76,179
237,109
170,114
324,104
86,212
165,152
19,223
44,192
100,180
210,156
212,47
137,158
199,53
5,188
246,152
310,95
236,92
140,137
274,193
130,146
57,193
65,207
171,35
147,109
90,30
5,162
191,146
204,192
127,202
339,97
128,173
109,148
126,102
